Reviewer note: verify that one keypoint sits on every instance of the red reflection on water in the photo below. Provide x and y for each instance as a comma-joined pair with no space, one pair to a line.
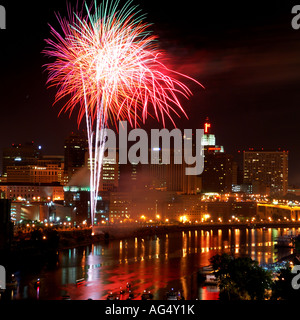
153,265
209,293
114,280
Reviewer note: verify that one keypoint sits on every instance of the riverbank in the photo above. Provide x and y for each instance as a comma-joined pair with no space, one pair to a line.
119,231
41,246
81,237
147,263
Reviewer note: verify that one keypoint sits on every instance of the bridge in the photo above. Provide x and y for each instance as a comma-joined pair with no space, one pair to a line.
267,210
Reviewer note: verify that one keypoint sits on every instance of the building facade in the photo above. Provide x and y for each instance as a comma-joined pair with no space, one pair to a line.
267,171
20,155
219,167
50,173
32,191
74,154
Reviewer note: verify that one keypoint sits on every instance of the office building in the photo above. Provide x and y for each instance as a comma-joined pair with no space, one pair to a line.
74,154
50,173
32,192
217,174
267,171
20,155
219,167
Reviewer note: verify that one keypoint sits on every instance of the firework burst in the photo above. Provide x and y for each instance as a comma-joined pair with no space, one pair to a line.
108,64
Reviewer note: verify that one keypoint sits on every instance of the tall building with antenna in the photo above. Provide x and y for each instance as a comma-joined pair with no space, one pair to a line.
217,175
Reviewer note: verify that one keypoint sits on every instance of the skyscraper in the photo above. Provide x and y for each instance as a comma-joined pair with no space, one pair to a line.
218,166
217,174
209,140
75,148
267,171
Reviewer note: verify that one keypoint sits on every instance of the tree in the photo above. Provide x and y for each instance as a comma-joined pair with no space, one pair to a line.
240,278
282,288
296,243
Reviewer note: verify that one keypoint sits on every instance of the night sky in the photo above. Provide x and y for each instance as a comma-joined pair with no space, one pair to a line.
247,57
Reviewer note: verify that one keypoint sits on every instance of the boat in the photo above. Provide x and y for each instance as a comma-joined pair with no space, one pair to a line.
210,279
206,275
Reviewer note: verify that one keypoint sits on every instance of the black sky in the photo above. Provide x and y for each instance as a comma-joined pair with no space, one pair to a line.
247,57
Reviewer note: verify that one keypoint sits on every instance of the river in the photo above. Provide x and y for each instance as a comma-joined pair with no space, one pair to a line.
156,264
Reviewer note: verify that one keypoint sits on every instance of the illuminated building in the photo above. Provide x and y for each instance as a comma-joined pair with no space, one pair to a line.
217,175
267,171
3,178
38,192
208,140
232,209
24,163
195,208
130,177
109,176
78,199
74,151
109,179
172,177
120,206
20,155
242,188
139,205
21,211
185,208
35,174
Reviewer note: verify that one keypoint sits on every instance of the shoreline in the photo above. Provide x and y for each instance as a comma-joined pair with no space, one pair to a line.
107,233
40,251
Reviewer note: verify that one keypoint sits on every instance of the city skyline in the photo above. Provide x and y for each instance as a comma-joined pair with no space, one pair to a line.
197,196
247,61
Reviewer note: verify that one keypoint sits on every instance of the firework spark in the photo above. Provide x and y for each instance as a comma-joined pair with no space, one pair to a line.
109,66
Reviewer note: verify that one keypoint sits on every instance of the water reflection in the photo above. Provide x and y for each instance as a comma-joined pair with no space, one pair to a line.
154,263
